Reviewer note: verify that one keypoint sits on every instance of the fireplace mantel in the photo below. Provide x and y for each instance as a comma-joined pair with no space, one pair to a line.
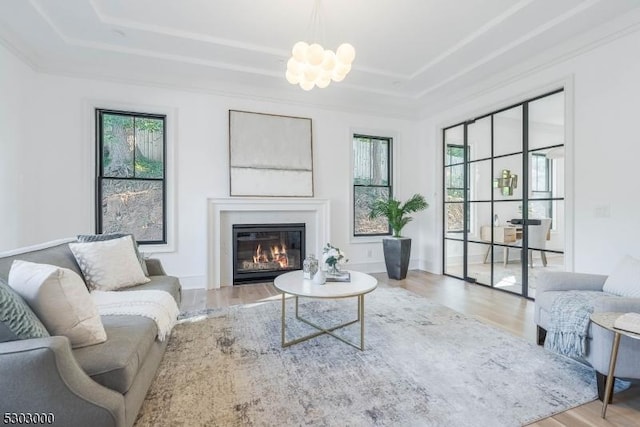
223,212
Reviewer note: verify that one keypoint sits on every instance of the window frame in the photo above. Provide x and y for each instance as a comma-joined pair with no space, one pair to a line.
548,173
462,189
371,237
99,169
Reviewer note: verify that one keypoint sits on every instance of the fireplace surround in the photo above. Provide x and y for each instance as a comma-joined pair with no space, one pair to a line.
222,213
262,252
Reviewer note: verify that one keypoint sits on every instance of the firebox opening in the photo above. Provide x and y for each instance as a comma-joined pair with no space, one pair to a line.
262,252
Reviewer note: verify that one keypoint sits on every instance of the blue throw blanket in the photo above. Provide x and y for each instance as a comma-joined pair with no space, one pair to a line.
569,323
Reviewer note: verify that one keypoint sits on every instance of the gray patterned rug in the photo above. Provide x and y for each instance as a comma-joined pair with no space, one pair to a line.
424,365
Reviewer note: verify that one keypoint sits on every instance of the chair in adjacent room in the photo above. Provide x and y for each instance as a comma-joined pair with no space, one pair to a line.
538,236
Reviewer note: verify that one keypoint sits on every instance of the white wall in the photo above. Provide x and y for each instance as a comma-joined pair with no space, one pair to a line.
15,165
603,148
46,164
49,165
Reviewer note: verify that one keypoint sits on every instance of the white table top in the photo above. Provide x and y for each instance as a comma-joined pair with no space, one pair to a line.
606,320
293,283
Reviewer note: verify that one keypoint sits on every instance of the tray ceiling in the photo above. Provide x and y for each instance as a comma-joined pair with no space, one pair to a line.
412,55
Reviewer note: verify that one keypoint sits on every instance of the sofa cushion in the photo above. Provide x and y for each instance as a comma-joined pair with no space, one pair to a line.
624,281
161,283
60,299
17,320
83,238
110,264
115,362
53,253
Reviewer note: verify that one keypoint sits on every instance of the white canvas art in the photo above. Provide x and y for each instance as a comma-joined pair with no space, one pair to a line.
270,155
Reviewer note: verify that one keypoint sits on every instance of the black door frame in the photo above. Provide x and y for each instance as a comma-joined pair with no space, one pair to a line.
467,203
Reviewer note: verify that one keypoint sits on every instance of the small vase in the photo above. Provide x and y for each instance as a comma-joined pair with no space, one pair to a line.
319,278
309,267
333,270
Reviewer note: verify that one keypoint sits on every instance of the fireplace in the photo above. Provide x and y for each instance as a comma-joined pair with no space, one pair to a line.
262,252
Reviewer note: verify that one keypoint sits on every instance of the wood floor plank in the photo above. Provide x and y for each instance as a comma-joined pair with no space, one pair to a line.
501,309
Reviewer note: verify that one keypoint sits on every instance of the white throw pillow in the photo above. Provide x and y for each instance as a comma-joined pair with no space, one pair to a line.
624,281
60,299
109,265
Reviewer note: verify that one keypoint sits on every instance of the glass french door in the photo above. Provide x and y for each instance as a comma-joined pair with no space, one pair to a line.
503,195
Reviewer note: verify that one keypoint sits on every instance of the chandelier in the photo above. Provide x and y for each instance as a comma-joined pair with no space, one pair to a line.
312,65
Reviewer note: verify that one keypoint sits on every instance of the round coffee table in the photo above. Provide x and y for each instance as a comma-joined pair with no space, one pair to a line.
294,284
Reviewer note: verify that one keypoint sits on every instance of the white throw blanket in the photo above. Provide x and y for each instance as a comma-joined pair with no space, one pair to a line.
157,305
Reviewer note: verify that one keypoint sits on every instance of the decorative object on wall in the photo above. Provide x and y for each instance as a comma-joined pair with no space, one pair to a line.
312,65
506,183
270,155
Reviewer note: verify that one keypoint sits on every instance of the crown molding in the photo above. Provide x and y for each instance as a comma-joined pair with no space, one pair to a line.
512,45
473,36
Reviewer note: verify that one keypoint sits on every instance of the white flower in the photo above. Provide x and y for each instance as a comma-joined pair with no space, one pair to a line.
332,255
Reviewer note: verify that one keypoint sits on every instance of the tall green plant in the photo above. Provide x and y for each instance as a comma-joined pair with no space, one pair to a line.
396,212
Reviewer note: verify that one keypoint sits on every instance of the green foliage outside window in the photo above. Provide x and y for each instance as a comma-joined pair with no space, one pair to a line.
131,175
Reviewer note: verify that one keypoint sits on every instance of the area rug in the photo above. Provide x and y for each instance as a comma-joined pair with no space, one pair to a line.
424,365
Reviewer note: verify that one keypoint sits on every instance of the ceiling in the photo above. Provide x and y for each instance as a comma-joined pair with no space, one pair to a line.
413,56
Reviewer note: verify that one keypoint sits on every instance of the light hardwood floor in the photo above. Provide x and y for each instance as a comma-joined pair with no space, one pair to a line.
501,309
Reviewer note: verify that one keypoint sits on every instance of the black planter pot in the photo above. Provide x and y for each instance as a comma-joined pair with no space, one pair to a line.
397,251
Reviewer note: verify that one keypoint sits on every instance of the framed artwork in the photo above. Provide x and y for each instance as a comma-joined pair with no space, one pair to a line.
270,155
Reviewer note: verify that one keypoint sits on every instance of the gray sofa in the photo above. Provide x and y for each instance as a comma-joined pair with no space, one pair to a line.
98,385
599,340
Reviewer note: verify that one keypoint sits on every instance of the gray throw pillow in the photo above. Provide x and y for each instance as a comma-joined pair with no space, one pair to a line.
17,320
84,238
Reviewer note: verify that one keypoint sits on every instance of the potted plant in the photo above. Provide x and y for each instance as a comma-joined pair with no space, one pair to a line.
397,249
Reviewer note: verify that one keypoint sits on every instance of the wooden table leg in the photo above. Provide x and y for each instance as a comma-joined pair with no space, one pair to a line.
608,391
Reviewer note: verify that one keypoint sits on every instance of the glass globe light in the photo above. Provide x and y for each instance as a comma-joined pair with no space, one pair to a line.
343,69
315,54
306,84
336,76
323,81
311,73
346,53
294,66
329,60
292,78
299,51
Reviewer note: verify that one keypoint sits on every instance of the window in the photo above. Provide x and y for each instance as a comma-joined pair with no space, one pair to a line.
131,173
454,185
541,187
540,173
371,181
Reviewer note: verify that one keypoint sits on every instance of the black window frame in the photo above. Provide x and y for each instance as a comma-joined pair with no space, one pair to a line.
389,185
448,187
99,169
548,178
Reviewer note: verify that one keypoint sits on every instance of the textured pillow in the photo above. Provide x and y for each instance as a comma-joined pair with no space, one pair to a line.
17,320
84,238
624,281
109,265
59,297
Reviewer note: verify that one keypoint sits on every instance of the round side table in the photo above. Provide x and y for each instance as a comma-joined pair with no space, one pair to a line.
605,320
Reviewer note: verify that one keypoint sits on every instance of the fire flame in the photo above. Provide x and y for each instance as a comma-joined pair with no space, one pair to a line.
278,255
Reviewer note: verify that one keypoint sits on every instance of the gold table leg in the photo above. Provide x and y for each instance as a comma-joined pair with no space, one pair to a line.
321,330
610,377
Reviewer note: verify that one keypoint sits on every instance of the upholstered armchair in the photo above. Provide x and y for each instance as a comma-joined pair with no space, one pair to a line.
599,340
